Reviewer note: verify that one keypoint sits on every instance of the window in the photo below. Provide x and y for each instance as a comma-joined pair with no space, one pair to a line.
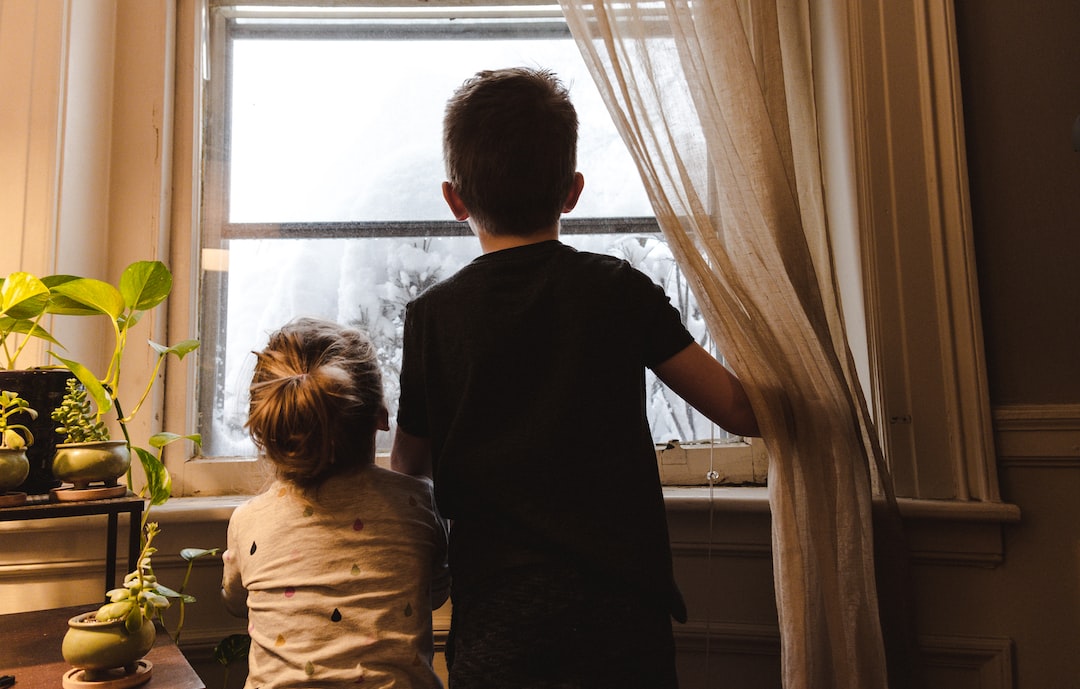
896,184
322,174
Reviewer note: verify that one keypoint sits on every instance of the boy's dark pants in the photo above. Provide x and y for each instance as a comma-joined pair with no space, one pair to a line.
550,627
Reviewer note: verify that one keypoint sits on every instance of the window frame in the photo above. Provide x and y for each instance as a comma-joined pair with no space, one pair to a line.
227,26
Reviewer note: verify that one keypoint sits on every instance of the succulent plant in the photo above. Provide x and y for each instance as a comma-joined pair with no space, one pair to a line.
141,597
14,436
75,417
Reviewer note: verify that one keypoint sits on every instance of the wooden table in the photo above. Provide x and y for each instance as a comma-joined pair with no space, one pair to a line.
30,650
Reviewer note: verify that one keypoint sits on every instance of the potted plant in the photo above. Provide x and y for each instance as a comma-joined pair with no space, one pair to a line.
25,300
143,286
109,642
14,439
114,638
87,455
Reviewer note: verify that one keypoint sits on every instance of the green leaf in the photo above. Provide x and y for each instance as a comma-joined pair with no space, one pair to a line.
114,611
164,590
62,305
164,438
158,480
23,296
51,281
10,325
93,386
180,349
231,648
75,297
190,554
133,622
12,440
145,284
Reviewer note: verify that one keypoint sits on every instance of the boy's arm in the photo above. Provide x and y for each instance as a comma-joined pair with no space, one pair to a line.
710,388
410,454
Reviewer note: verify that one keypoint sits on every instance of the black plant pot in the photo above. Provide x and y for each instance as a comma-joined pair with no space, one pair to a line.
43,389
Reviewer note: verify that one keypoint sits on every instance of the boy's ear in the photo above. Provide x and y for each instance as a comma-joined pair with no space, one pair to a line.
382,421
575,192
457,207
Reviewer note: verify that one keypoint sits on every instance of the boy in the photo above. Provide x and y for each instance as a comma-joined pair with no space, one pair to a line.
522,394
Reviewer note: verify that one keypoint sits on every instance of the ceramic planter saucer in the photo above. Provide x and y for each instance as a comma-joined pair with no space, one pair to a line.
75,678
71,494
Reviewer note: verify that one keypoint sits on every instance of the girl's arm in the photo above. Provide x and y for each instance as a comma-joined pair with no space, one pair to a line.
233,593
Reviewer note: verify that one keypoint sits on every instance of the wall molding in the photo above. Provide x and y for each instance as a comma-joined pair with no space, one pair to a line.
704,549
1038,435
19,572
987,659
728,638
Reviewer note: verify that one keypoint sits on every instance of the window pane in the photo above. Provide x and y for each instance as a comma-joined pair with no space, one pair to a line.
366,283
350,130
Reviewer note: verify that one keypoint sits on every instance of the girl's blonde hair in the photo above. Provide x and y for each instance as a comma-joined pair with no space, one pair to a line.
316,396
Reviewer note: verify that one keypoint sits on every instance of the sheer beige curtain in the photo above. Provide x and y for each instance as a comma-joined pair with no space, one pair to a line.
715,100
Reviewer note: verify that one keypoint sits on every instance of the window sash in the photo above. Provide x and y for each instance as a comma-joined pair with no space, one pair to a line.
418,228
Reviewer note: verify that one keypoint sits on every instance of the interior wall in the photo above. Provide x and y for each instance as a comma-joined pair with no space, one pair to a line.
32,54
1019,64
1020,70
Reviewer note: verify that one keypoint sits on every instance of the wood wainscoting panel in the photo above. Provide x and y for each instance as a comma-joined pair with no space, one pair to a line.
956,662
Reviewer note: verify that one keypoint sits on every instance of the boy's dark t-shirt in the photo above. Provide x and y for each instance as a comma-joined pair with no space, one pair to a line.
526,371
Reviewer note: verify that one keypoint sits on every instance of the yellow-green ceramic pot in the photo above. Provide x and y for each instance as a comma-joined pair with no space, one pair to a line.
96,647
82,463
14,468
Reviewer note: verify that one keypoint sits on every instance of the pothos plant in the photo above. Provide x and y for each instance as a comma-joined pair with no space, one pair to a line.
25,300
143,286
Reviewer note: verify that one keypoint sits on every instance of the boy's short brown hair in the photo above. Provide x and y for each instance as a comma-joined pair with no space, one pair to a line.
510,148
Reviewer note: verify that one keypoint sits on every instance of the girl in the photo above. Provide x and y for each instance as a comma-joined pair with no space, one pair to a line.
338,565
